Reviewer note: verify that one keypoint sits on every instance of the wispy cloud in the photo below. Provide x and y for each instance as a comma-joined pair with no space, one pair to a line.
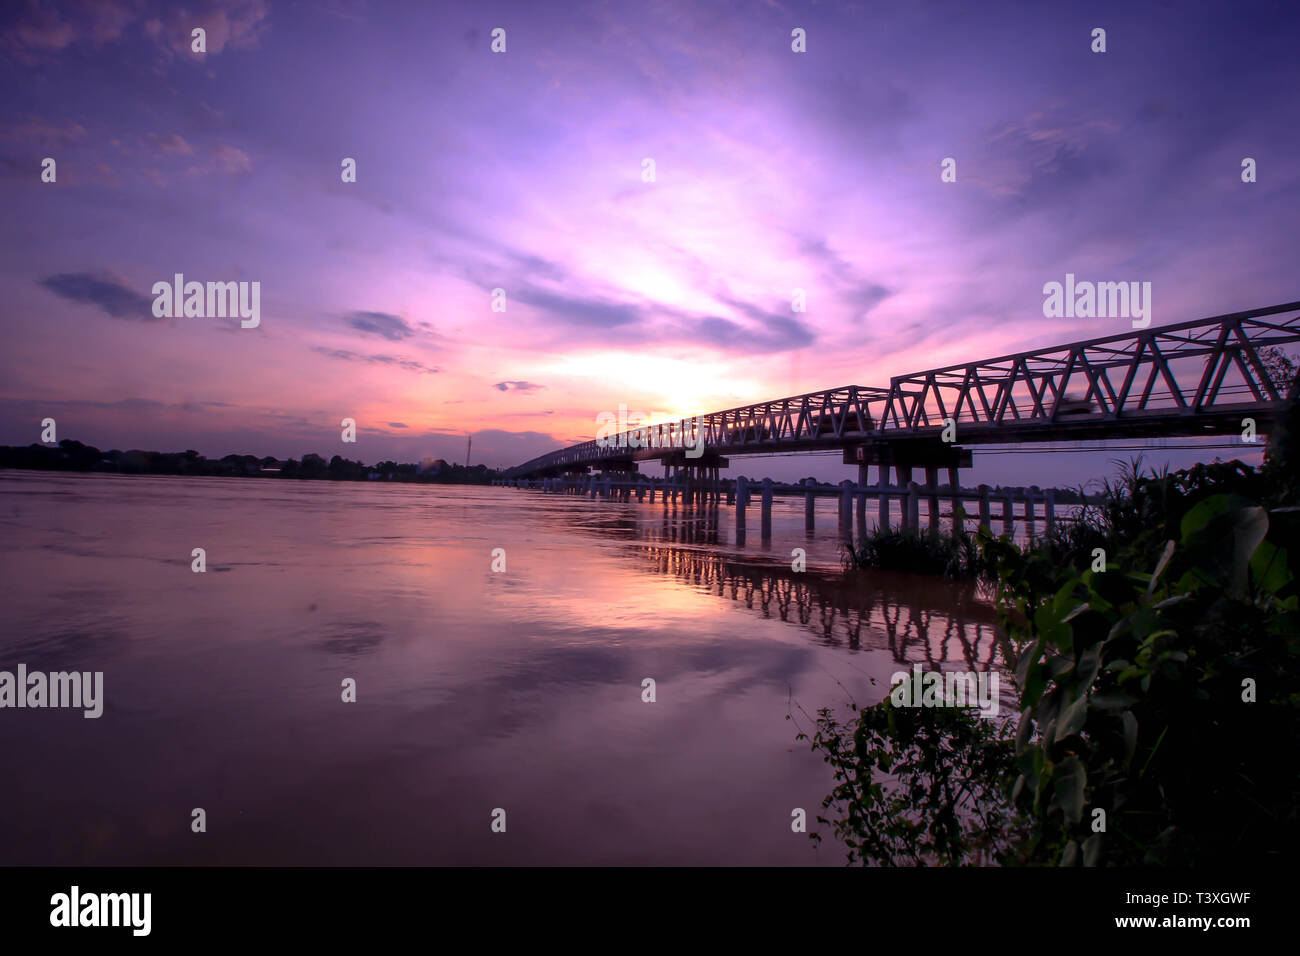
396,361
102,289
391,327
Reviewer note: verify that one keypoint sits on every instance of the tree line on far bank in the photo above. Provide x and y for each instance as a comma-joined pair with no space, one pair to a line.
70,455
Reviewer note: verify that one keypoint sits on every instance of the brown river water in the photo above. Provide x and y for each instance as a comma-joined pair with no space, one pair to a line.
476,690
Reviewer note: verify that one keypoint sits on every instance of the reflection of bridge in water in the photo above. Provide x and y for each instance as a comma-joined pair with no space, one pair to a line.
941,624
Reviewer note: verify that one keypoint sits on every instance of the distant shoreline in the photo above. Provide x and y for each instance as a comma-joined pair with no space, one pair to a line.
74,456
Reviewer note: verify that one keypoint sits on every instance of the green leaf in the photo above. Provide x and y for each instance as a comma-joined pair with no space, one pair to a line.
1089,663
1092,850
1069,780
1268,566
1113,700
1076,612
1164,562
1130,723
1024,729
1222,533
1072,720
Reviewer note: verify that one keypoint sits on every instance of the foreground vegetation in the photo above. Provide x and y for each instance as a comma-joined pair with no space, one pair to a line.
1153,641
947,555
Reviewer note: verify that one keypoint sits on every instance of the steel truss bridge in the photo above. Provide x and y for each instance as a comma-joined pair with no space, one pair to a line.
1196,378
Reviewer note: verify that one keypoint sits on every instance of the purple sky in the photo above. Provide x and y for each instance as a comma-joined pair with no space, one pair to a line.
523,171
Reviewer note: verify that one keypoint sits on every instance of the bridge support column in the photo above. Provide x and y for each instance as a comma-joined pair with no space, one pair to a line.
1049,511
767,509
913,522
863,481
846,510
882,510
958,511
1031,496
985,521
932,499
1008,514
903,479
742,492
809,512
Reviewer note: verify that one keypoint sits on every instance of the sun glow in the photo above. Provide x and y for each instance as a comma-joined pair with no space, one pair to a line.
673,388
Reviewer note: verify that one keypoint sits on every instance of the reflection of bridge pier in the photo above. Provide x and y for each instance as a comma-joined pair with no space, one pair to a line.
935,622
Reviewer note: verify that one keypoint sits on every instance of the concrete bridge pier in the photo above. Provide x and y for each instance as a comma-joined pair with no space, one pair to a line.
809,511
958,506
696,480
902,457
913,522
846,510
742,495
767,509
986,522
1008,513
932,499
903,480
882,513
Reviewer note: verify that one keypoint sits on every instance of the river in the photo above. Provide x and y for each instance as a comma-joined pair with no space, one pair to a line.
475,690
